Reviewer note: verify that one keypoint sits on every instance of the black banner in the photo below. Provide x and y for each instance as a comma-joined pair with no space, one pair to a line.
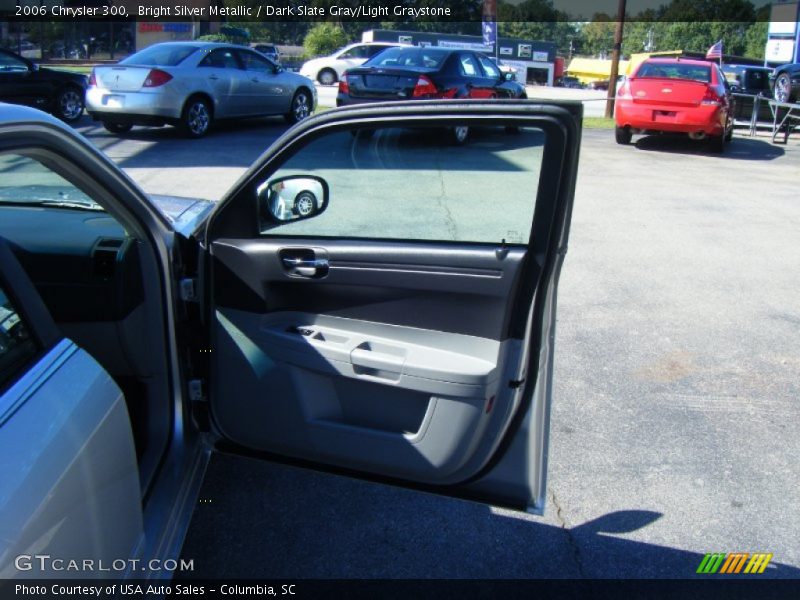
730,588
372,11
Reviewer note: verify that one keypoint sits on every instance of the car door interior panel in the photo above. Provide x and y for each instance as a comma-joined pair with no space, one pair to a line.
385,326
388,362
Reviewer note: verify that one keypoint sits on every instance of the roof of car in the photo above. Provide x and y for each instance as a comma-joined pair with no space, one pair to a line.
13,113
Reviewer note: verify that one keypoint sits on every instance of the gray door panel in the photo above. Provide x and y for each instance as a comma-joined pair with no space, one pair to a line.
386,364
456,288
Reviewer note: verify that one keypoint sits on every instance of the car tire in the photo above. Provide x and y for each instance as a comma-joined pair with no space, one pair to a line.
783,92
729,131
716,143
623,135
327,77
118,128
305,204
300,108
460,135
196,117
69,104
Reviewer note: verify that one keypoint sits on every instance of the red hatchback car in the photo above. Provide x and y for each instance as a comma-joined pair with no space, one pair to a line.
675,95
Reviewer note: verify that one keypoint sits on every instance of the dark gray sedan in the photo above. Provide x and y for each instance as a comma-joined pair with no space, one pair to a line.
191,84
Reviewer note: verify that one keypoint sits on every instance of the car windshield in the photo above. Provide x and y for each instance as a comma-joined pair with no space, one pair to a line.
161,55
26,181
675,71
424,58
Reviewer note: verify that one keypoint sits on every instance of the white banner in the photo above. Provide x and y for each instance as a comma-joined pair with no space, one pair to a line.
779,51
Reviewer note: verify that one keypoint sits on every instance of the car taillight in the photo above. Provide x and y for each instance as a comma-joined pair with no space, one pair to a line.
155,78
424,88
92,79
344,87
711,98
624,92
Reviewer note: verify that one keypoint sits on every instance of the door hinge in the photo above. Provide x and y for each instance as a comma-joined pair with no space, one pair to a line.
196,390
515,383
188,289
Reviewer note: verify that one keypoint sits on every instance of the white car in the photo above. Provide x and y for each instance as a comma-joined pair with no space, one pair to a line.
328,69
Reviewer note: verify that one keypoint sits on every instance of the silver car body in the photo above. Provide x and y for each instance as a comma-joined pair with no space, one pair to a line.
118,92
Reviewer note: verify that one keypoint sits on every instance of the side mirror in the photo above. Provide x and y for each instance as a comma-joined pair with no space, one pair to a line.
294,197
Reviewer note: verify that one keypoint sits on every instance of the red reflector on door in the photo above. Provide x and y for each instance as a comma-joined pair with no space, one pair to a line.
489,405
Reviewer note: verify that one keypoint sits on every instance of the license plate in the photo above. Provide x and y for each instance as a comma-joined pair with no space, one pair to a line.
664,115
114,101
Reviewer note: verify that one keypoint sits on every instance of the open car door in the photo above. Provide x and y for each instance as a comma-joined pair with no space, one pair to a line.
383,301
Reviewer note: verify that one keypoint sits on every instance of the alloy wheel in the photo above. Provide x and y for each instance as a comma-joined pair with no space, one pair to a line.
70,105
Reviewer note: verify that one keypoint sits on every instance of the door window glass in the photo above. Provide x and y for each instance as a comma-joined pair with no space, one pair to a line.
413,184
220,59
489,67
254,62
469,67
11,64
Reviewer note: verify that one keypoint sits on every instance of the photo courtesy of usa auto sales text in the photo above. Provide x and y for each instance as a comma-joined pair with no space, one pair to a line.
135,589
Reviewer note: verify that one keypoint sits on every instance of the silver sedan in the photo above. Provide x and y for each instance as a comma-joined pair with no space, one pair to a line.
191,84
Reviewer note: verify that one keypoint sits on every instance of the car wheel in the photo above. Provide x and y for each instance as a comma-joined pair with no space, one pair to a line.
716,143
460,134
117,128
623,135
327,77
300,107
305,204
196,117
69,104
783,88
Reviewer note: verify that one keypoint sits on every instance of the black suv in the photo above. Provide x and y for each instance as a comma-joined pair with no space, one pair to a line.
749,81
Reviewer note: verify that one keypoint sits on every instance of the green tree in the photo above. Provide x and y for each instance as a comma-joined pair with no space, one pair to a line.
755,40
323,38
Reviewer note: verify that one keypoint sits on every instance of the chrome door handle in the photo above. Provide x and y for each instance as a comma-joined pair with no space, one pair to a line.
310,263
306,267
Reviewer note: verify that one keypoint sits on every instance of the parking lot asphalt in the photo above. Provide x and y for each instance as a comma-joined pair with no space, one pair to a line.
677,380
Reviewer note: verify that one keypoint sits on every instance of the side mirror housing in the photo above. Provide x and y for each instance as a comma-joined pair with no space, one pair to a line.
292,198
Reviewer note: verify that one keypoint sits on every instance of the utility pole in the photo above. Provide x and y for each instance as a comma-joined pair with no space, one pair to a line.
612,81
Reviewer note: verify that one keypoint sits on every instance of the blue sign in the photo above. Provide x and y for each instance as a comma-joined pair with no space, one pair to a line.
489,32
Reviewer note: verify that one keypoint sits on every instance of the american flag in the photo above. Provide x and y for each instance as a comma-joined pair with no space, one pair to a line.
715,51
